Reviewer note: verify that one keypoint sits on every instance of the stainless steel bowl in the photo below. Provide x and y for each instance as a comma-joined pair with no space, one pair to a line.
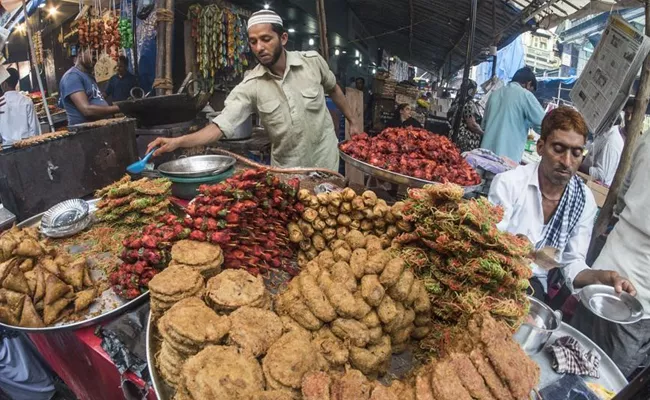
539,326
67,230
197,166
620,308
65,214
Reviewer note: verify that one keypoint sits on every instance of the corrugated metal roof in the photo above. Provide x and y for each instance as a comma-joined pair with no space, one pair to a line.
439,33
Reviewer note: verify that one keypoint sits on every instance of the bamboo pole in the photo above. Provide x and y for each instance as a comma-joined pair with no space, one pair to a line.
633,133
160,46
38,72
322,26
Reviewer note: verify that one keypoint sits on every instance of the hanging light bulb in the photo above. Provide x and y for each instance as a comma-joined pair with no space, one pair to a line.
311,42
52,11
356,62
266,6
337,52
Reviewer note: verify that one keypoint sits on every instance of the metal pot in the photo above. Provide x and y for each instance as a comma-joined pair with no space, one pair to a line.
539,326
241,132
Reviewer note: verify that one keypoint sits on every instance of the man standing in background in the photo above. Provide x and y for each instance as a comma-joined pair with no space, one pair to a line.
510,112
120,85
18,120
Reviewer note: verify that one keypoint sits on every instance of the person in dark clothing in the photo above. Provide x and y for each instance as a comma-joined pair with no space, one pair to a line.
403,118
120,85
469,133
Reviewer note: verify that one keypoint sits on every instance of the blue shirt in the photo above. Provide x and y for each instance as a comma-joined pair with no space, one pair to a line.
509,113
74,81
120,88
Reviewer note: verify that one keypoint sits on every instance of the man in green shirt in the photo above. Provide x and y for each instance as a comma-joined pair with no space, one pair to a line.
287,90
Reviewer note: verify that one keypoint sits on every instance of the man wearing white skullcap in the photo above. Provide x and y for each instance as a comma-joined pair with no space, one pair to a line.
287,90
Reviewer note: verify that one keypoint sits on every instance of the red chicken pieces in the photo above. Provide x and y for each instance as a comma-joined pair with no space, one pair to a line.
413,152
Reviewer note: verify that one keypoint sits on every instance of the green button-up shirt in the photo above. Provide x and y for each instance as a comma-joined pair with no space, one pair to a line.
292,109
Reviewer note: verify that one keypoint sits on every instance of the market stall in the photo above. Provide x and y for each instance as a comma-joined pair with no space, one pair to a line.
264,260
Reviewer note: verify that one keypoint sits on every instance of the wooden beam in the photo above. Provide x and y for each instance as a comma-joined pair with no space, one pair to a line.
322,27
411,29
633,134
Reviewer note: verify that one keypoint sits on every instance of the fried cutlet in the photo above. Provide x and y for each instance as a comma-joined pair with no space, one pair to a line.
190,252
316,386
352,385
423,389
270,395
232,289
191,323
470,377
222,372
492,380
175,283
290,358
254,329
446,385
381,392
511,363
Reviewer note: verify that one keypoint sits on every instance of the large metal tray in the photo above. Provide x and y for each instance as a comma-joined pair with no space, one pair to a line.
107,305
163,391
610,376
394,177
197,166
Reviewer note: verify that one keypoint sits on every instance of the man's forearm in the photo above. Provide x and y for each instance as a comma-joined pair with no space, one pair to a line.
207,135
342,104
93,111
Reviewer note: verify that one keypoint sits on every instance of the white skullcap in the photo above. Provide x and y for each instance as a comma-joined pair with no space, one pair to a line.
264,17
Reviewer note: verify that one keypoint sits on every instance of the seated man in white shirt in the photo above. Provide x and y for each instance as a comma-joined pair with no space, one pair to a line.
18,121
605,153
552,207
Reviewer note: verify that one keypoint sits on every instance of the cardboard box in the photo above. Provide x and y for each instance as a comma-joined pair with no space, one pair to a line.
599,191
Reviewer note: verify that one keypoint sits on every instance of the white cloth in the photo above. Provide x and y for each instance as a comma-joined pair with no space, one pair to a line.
518,192
18,120
264,17
627,250
22,375
604,155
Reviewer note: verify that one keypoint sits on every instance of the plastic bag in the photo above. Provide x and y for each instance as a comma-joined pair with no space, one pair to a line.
144,8
570,387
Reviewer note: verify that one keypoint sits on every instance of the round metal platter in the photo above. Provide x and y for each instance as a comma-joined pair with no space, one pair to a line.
620,308
394,177
65,214
163,391
107,305
197,166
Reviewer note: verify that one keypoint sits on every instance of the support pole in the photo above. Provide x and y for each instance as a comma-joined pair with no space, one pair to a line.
134,27
633,134
322,27
411,28
169,44
38,72
468,65
160,47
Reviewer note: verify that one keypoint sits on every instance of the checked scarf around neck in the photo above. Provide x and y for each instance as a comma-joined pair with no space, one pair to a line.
557,231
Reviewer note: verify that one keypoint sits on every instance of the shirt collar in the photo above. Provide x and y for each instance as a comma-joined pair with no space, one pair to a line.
293,60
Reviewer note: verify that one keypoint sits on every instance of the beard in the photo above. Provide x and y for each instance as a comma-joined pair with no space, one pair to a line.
277,53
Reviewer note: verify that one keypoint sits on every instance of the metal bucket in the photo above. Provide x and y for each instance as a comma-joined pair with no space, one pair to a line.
538,328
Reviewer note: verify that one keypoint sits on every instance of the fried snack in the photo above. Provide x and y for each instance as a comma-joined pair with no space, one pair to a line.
423,389
355,239
50,266
204,257
515,368
14,300
352,385
254,329
291,303
340,297
371,290
392,272
315,299
28,247
470,377
342,254
191,325
371,320
373,244
52,312
316,386
387,310
492,380
7,316
289,359
372,359
381,392
358,262
30,317
401,289
26,265
84,299
15,280
270,395
55,289
289,325
169,363
331,347
351,330
362,308
74,274
172,285
232,289
445,383
220,372
377,260
341,273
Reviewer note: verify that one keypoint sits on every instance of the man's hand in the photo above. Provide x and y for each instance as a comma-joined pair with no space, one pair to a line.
609,278
356,128
165,145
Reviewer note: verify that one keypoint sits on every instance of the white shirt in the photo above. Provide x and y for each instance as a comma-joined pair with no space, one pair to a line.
605,154
627,250
18,120
518,192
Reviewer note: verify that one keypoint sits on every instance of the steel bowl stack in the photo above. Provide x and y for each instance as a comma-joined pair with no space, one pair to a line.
188,173
66,219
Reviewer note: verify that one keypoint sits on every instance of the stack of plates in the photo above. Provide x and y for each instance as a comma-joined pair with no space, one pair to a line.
66,219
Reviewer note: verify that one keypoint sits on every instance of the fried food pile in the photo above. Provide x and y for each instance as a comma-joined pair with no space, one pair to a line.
330,216
172,285
413,152
188,327
40,285
468,265
202,257
361,302
234,288
42,138
133,203
492,366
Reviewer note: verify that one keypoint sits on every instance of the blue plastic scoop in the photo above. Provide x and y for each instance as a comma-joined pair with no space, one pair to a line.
139,166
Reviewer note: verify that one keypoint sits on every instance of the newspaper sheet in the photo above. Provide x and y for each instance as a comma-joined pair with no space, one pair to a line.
604,85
